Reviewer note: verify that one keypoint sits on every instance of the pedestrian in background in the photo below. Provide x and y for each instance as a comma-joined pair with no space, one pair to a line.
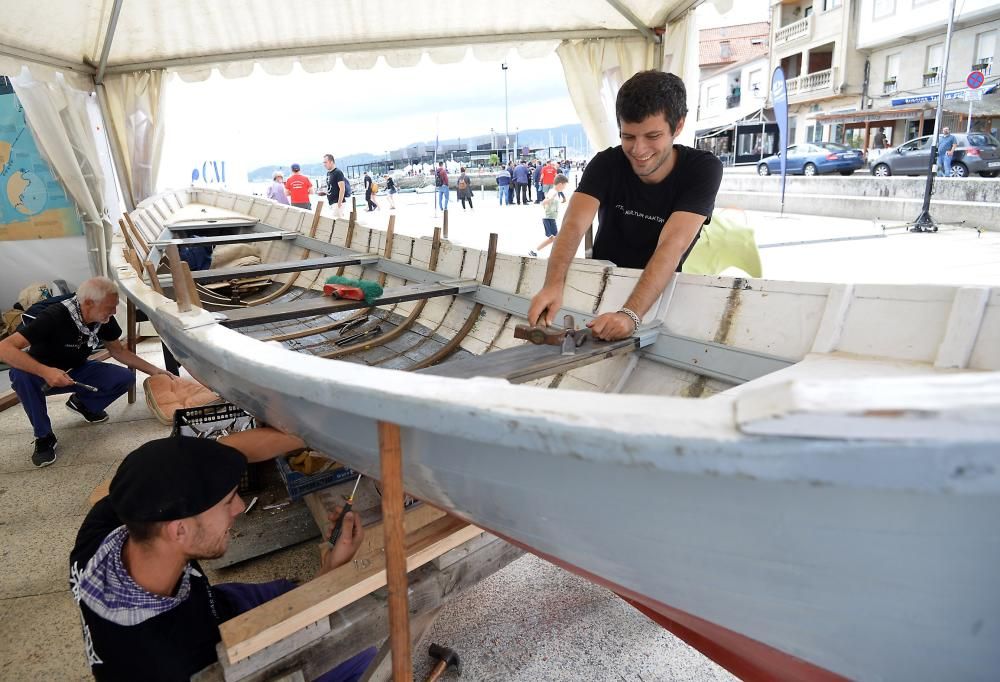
503,185
390,185
277,191
299,187
464,188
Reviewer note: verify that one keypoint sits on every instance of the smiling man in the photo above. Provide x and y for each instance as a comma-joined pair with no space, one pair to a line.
651,198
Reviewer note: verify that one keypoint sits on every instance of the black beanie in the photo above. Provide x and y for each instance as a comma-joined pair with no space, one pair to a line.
174,478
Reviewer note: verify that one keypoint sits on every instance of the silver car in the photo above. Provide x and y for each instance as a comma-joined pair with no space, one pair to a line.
974,153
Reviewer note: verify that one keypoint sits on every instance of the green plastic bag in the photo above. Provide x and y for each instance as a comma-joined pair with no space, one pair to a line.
724,243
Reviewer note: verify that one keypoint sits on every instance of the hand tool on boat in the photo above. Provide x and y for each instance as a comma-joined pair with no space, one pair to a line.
352,289
568,337
86,387
446,658
339,526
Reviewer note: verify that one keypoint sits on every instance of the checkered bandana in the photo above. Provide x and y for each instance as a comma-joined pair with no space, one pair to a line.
73,306
109,591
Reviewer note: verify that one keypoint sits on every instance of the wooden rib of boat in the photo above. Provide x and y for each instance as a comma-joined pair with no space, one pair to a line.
802,480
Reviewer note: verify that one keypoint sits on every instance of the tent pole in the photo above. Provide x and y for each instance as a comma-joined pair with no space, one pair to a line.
109,36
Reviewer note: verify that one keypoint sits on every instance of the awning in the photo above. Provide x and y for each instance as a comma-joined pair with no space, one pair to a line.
871,115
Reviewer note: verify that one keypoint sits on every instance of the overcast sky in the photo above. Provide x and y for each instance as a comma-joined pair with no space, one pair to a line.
266,119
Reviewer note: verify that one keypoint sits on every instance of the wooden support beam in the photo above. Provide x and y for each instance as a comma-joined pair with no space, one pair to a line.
273,621
191,286
131,339
226,274
228,239
326,304
391,454
181,292
154,280
526,362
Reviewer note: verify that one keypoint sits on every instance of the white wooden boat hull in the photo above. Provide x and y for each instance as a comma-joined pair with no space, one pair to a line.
867,559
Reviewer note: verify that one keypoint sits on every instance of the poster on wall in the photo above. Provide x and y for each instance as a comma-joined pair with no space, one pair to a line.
33,204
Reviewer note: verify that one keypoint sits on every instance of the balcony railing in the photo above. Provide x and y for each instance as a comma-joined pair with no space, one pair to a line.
821,80
932,79
889,87
732,101
985,67
795,31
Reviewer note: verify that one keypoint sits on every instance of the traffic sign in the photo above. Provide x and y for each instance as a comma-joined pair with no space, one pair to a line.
975,79
973,95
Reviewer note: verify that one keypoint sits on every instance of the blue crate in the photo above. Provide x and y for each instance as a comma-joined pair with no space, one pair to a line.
300,484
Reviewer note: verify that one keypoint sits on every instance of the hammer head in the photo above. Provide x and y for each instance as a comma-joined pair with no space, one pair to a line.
449,656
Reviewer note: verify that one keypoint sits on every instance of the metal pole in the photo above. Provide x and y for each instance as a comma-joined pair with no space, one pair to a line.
924,222
506,115
968,126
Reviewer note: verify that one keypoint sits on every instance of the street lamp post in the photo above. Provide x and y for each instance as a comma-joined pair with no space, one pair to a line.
506,115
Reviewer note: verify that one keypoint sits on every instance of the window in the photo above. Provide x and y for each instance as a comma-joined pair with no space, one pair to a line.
935,53
814,133
756,80
986,44
714,96
830,4
891,67
918,3
725,50
884,8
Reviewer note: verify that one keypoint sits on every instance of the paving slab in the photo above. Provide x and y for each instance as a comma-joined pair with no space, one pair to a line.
41,639
52,493
34,557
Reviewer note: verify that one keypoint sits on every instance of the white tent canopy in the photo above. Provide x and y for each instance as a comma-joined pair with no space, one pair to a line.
122,48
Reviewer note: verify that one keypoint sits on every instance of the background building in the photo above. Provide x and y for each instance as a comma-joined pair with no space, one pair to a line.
733,88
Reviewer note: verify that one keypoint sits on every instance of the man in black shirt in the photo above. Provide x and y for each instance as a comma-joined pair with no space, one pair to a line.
336,189
148,611
50,355
651,198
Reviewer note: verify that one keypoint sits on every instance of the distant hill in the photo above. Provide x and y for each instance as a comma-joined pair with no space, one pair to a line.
570,136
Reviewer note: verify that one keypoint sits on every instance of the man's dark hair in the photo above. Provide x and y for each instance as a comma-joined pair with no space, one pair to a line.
143,531
329,157
648,93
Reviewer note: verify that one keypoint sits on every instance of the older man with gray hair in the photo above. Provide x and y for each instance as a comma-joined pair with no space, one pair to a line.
51,355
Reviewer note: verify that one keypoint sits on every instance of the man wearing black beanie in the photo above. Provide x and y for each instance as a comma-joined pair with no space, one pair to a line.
148,610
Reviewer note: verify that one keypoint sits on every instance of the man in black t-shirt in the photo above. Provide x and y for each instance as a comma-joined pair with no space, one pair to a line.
148,611
651,198
50,355
336,184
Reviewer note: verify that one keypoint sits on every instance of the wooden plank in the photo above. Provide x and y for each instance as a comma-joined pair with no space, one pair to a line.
227,239
365,622
211,225
528,361
273,621
8,399
224,274
181,293
323,305
391,455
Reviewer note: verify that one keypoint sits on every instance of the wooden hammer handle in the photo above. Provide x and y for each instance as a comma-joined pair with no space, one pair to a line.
438,671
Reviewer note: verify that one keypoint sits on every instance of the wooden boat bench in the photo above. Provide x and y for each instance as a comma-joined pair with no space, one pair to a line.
228,239
529,361
210,225
325,305
226,274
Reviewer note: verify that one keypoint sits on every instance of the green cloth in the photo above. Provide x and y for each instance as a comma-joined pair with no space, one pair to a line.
724,243
551,204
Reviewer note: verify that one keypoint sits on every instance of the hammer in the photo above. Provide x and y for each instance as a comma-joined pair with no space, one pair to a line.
445,657
569,338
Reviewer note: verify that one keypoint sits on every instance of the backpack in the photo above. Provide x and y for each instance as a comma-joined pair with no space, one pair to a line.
437,179
461,184
347,187
36,309
374,187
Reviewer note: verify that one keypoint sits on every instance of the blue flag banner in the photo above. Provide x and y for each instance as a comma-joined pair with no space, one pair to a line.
779,100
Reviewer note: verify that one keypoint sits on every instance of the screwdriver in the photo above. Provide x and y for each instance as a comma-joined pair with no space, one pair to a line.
339,526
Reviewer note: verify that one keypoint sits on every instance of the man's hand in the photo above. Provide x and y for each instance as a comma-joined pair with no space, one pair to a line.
56,378
545,305
612,326
347,544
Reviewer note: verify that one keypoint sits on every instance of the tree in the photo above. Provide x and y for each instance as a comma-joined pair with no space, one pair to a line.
494,160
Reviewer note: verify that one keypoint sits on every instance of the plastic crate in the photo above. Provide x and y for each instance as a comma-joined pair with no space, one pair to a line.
300,484
215,421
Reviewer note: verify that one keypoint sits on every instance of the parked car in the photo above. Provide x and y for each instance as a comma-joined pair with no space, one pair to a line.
974,153
815,158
